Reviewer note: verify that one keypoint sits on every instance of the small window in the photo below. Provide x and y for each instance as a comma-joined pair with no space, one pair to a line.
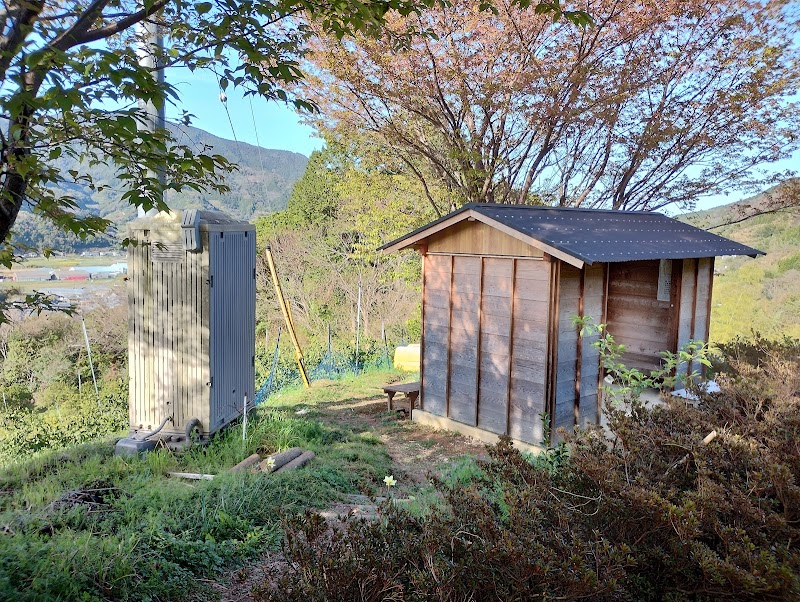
664,280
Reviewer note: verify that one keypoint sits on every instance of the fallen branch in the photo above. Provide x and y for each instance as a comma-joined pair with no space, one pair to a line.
706,440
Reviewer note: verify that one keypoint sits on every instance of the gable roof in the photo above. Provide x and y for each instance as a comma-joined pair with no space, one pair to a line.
581,236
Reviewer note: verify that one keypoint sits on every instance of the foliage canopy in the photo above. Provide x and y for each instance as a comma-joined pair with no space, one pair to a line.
655,103
71,84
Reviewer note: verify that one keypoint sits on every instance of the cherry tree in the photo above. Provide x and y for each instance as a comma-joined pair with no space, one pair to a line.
655,103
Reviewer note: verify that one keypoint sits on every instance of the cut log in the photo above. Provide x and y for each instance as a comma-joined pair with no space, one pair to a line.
194,476
280,459
299,461
248,461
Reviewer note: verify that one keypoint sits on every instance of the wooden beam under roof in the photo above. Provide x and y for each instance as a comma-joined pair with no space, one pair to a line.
471,214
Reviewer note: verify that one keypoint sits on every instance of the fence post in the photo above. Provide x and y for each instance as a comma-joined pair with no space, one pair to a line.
91,363
385,345
358,324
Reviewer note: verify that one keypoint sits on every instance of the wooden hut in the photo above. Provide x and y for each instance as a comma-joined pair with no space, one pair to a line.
501,285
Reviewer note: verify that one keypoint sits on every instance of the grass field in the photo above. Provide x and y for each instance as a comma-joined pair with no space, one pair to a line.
69,261
85,525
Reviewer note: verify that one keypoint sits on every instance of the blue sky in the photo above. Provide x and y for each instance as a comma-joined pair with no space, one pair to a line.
276,125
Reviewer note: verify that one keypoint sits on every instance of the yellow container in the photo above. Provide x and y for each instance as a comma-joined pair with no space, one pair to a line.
407,358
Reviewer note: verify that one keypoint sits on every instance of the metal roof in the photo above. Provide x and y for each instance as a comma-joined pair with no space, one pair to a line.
593,235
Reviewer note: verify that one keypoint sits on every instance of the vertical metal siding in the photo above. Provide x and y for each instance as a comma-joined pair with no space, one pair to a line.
183,335
232,337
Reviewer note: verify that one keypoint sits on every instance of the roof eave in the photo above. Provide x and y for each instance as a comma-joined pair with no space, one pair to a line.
468,212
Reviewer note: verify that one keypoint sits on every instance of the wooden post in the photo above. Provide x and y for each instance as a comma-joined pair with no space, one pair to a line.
358,323
287,316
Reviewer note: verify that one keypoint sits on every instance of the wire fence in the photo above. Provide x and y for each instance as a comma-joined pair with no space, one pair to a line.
332,361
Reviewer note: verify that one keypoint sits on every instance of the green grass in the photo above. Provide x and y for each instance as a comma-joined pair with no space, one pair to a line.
350,388
157,538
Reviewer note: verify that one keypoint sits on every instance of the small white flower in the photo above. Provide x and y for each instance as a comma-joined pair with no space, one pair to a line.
389,480
271,463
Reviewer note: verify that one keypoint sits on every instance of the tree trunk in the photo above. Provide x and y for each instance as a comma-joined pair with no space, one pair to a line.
11,201
18,150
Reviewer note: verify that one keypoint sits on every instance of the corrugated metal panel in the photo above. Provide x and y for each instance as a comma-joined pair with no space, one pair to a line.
596,235
232,338
185,335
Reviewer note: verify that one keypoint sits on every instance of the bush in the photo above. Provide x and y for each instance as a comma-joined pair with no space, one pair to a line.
650,514
71,419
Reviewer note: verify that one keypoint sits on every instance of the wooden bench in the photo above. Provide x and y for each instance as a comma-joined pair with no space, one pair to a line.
411,391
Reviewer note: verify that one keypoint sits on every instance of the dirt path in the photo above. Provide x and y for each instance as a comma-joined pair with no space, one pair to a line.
415,451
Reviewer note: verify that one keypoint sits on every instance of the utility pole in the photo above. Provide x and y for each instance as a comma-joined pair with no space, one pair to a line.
151,43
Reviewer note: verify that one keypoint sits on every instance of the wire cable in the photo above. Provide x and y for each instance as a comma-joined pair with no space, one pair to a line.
255,129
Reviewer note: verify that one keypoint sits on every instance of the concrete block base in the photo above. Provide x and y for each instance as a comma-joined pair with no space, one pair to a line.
133,447
442,423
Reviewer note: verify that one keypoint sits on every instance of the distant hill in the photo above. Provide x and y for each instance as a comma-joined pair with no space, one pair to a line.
261,185
761,294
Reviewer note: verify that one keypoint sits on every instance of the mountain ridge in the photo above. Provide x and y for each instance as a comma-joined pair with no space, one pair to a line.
763,294
261,185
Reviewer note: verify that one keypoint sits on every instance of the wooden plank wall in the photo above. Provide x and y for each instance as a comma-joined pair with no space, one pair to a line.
465,304
495,355
529,350
436,328
594,281
485,342
688,295
566,365
636,318
695,303
705,286
476,238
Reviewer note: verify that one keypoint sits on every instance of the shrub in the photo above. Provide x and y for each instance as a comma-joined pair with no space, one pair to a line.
790,262
24,431
651,513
